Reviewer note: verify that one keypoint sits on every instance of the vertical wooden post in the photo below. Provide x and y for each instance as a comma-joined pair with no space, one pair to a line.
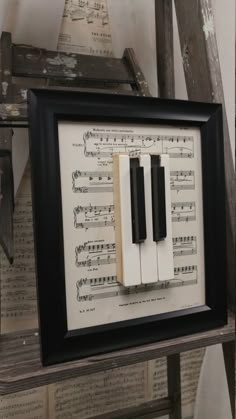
204,83
164,48
174,385
6,173
229,358
166,85
140,83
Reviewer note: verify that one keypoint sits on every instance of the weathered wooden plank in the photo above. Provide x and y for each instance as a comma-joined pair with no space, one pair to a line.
13,112
18,112
149,410
6,193
6,173
36,62
21,369
164,48
5,67
174,385
204,83
6,201
139,82
229,359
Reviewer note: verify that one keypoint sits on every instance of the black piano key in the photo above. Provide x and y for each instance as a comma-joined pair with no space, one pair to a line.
138,214
158,199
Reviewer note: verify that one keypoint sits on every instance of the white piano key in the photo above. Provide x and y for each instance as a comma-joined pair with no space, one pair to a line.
128,257
148,250
165,260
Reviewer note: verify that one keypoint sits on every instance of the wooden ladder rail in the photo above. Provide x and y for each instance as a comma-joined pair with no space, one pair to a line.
204,83
51,68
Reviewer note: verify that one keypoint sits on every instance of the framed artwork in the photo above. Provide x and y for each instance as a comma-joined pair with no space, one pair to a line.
83,309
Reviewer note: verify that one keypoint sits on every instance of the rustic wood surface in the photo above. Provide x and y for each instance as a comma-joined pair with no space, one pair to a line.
139,83
21,369
229,358
6,67
36,62
148,410
15,113
164,48
6,173
174,385
6,205
204,83
166,88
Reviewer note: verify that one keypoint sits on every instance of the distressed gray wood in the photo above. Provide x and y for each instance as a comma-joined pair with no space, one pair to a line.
12,113
174,385
229,359
36,62
165,73
20,365
139,82
204,83
164,48
6,204
6,174
6,67
149,410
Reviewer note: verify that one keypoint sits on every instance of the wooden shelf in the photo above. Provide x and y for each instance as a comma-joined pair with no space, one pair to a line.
21,369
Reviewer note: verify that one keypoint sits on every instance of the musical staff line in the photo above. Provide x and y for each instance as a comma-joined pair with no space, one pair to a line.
103,181
108,287
96,247
182,180
184,246
183,211
104,144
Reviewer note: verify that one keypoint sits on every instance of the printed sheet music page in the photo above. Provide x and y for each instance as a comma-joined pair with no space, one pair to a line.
92,293
85,28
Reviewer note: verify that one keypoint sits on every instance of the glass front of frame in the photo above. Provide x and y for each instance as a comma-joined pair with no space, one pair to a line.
93,296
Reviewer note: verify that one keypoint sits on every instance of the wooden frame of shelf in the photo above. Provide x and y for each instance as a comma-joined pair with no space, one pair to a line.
21,368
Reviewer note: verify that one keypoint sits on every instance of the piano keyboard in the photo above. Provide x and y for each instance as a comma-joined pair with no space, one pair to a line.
143,226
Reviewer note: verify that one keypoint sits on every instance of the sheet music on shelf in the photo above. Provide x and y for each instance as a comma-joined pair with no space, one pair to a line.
99,393
191,362
30,404
85,28
88,222
18,282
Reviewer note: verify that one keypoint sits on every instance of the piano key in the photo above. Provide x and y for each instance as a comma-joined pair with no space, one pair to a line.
137,201
165,260
127,252
149,272
158,198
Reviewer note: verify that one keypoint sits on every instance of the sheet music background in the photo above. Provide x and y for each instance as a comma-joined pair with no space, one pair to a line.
85,28
88,221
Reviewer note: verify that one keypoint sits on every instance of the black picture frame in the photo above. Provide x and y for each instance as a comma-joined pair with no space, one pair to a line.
46,109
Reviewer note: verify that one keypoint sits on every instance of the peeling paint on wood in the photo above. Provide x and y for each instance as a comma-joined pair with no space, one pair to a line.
4,88
12,109
69,74
23,93
208,23
36,62
185,56
61,59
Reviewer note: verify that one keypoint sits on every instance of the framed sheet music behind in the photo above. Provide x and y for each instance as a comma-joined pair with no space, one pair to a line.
83,309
